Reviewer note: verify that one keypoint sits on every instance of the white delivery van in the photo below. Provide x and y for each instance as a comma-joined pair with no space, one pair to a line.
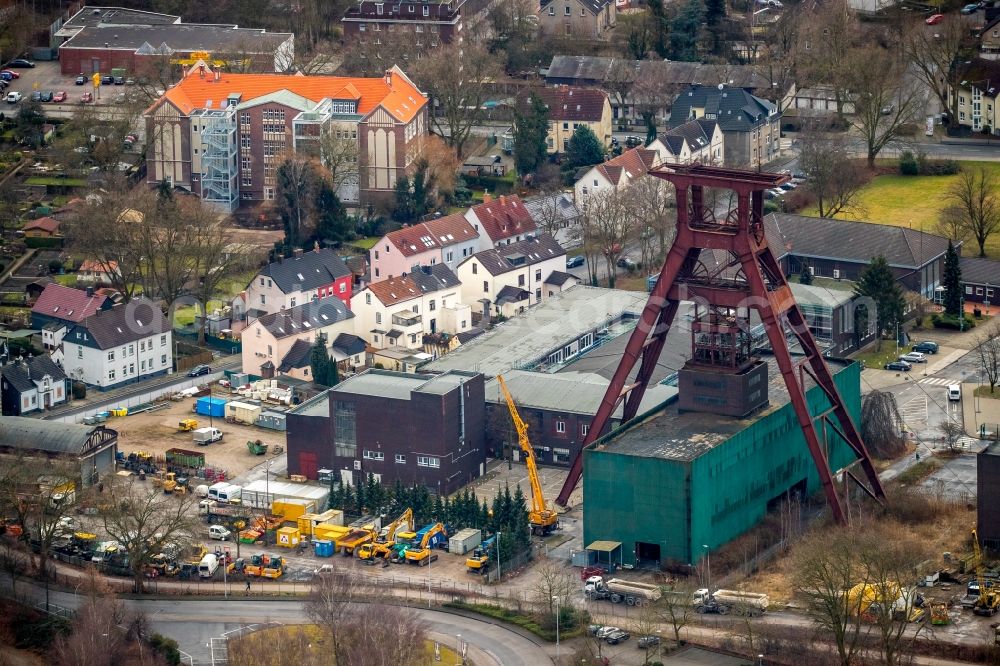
213,490
208,565
954,392
231,493
205,436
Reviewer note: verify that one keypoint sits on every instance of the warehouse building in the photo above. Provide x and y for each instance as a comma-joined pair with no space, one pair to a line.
425,429
93,447
670,483
988,496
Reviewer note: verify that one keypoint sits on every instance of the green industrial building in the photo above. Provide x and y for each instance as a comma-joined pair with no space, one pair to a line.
669,482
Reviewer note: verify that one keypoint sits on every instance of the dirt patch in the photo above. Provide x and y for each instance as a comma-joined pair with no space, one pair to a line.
155,432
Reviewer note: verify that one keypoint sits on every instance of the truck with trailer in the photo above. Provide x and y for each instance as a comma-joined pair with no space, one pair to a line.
725,602
616,591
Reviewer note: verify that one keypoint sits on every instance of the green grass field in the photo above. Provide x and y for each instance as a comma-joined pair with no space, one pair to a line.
366,243
913,201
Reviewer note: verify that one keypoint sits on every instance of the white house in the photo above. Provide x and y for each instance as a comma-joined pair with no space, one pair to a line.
500,221
280,342
128,343
32,384
618,172
512,277
698,141
292,281
447,240
398,312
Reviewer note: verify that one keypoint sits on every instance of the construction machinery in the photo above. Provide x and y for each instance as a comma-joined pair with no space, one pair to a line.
381,548
988,602
421,553
870,600
169,482
187,425
481,558
543,520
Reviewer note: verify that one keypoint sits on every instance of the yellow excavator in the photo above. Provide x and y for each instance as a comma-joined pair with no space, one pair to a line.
988,602
382,546
421,554
543,520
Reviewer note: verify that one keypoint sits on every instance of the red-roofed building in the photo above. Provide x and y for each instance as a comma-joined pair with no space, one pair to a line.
94,272
501,221
220,134
59,308
570,108
446,240
43,227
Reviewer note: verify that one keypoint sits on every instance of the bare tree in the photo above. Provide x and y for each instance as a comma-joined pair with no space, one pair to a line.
951,432
333,602
676,607
886,99
442,165
951,224
827,34
834,178
988,347
652,94
619,82
458,79
653,200
608,221
338,151
378,52
95,638
881,423
14,560
555,586
974,195
143,520
165,237
934,54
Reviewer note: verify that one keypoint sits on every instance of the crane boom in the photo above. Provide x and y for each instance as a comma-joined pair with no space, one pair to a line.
541,517
405,517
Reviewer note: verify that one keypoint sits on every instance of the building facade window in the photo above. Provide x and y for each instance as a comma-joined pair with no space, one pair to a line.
400,459
428,461
374,455
561,426
345,429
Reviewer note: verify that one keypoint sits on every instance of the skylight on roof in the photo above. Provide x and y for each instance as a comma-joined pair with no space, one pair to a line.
450,237
300,276
325,318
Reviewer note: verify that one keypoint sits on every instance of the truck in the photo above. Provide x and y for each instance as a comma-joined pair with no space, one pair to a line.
354,539
206,436
208,565
724,602
617,591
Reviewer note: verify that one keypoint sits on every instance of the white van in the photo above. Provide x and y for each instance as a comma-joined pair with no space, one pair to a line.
218,532
208,565
954,392
231,493
213,490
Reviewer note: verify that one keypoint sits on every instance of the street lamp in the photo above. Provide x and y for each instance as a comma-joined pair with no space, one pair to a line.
556,599
708,563
458,647
499,576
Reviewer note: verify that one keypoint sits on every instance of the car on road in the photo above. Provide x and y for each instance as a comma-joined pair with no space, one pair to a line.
20,63
80,80
86,98
603,632
46,96
627,262
632,141
324,570
199,370
573,262
14,97
648,642
934,19
60,96
926,347
970,8
901,366
36,96
616,637
913,357
11,73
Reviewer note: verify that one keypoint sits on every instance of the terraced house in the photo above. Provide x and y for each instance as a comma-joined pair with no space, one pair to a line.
425,25
221,135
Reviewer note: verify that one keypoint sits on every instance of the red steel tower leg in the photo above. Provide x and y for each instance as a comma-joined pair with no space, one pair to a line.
762,286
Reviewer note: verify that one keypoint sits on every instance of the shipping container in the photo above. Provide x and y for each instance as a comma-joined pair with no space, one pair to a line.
262,493
242,412
209,406
292,508
465,541
307,521
272,420
185,458
288,537
327,532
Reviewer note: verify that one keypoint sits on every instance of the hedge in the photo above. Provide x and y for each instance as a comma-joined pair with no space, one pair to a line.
43,242
495,184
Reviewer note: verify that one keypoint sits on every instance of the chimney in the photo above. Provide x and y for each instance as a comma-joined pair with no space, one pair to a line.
297,252
315,246
503,200
388,77
486,197
90,291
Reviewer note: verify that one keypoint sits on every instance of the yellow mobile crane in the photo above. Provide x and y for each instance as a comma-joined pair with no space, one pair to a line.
988,602
384,543
542,519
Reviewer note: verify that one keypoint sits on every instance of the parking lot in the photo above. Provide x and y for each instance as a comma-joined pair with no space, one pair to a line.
46,76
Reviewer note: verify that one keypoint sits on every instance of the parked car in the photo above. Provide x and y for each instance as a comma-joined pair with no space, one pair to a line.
648,642
199,370
632,141
14,97
789,186
86,98
107,80
80,80
603,632
36,96
594,628
926,347
119,80
218,532
888,109
60,96
970,8
902,366
131,82
777,191
627,262
934,19
7,76
573,262
616,637
46,96
20,63
913,357
12,73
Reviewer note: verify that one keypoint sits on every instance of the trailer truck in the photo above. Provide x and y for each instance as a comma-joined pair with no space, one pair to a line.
724,602
616,591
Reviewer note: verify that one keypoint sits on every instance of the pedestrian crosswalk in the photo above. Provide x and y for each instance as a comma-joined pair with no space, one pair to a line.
914,411
936,381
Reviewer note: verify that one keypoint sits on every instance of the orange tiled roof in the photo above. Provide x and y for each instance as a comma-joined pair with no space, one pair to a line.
433,234
635,162
401,98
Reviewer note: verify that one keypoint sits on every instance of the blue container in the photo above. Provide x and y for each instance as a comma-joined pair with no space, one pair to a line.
214,407
323,548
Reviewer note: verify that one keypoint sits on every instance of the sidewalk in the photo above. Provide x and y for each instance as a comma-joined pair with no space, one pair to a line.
977,411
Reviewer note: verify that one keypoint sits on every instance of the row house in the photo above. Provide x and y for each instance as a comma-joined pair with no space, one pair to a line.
58,308
31,385
587,19
974,97
292,281
512,277
424,25
399,311
445,240
279,341
221,135
500,221
698,141
749,124
127,343
618,172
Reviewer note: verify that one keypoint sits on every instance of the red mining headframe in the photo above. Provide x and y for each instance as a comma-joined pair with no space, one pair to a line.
753,278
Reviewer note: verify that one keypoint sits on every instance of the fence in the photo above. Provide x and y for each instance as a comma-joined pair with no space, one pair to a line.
187,362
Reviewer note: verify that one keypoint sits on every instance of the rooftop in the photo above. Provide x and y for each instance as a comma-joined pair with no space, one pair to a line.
181,37
400,385
570,103
683,437
541,329
980,270
503,217
735,109
20,432
307,271
423,280
514,256
115,16
67,303
122,324
433,234
308,317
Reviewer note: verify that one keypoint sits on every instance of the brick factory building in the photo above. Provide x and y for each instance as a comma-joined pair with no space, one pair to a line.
426,24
